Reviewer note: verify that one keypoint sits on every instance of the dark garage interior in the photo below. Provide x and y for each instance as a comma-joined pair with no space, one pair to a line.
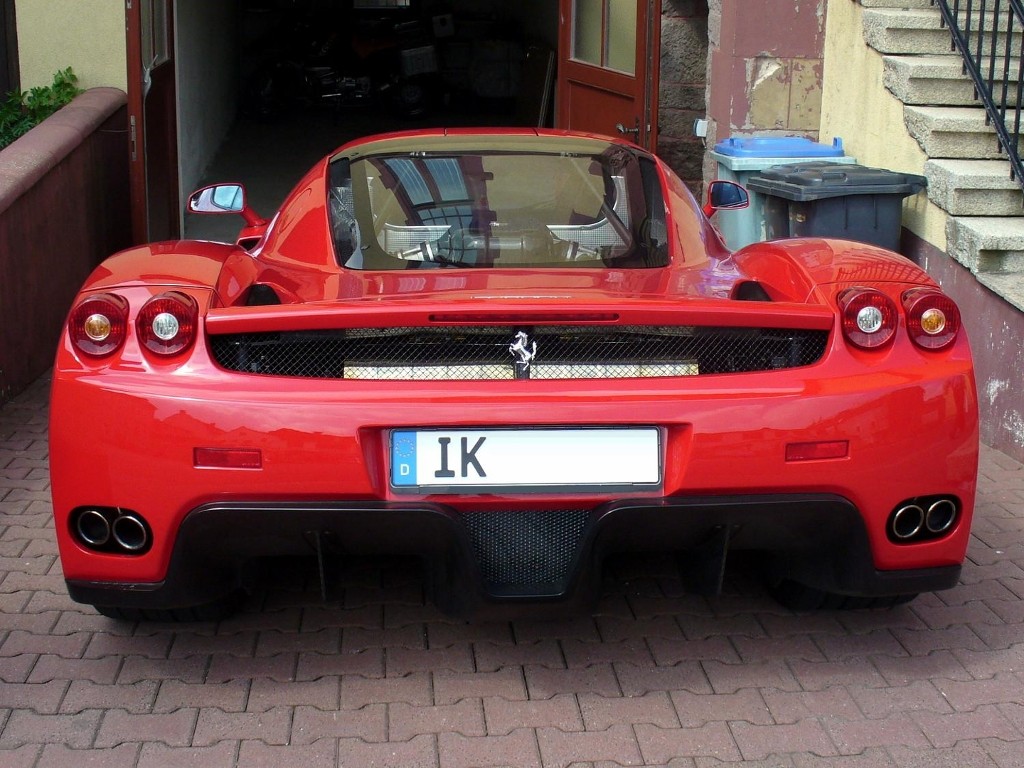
266,87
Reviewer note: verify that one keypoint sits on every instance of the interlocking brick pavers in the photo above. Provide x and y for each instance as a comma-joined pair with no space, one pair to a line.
376,676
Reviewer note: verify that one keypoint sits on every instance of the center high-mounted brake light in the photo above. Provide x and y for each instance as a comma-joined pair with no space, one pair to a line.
167,324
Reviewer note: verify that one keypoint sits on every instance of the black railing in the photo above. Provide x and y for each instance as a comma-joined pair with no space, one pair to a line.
984,33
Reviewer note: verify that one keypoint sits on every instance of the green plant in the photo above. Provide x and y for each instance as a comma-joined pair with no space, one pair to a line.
20,112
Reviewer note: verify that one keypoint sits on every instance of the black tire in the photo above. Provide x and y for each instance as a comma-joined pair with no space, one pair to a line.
800,597
215,611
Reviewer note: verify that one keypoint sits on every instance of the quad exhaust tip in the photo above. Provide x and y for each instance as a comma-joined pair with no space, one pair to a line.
93,528
940,516
130,532
112,530
907,522
922,519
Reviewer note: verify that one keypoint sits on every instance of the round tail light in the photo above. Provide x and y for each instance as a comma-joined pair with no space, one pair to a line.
98,325
933,319
167,324
868,317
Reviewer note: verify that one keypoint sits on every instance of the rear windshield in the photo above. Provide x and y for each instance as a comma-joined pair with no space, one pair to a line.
428,210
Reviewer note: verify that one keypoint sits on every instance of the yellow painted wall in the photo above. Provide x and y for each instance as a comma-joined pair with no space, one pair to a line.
857,106
86,35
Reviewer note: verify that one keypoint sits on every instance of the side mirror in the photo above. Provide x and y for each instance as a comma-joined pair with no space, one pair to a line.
725,196
224,198
220,198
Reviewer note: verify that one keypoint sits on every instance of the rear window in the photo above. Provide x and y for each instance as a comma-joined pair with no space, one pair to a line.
425,210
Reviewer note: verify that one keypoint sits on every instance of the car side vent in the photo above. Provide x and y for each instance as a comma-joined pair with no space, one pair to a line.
262,295
751,290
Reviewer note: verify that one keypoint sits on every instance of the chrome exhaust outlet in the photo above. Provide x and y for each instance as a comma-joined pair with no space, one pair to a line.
93,528
130,532
907,521
941,516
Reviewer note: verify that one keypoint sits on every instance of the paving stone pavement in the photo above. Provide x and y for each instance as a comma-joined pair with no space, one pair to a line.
375,677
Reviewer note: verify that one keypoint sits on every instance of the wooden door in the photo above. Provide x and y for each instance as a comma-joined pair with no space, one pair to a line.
608,67
8,49
152,115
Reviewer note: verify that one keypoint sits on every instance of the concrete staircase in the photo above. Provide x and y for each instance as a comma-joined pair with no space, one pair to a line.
967,175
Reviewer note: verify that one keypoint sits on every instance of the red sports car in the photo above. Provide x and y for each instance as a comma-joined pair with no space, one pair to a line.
509,353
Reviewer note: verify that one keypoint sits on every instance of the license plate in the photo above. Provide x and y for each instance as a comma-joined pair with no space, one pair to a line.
562,460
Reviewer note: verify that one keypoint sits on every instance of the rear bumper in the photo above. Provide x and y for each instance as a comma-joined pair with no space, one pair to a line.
818,540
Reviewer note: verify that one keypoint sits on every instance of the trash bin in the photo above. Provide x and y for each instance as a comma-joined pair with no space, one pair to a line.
850,202
740,158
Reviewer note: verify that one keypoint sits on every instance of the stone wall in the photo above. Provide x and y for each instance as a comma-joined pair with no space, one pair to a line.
684,58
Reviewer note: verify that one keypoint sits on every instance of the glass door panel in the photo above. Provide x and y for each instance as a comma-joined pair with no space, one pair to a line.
604,34
588,31
620,40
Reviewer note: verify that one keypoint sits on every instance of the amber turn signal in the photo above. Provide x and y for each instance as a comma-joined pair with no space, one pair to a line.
98,325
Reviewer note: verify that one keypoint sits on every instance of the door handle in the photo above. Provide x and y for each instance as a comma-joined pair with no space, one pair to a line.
626,131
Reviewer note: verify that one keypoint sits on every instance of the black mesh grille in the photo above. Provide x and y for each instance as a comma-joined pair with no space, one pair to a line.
526,553
563,352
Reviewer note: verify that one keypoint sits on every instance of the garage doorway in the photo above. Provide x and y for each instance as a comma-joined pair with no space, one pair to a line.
481,62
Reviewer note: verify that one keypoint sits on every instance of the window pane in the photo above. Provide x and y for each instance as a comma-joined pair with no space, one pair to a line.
587,43
621,51
519,210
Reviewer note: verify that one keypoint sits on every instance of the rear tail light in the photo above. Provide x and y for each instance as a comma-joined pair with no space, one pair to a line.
933,319
98,325
167,324
869,317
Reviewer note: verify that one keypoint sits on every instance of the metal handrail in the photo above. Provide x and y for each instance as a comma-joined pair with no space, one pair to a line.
976,27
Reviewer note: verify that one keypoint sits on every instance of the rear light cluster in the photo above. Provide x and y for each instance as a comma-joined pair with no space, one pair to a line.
869,318
166,325
99,325
111,529
928,517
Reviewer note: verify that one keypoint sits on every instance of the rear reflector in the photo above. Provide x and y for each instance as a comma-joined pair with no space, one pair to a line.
227,458
833,449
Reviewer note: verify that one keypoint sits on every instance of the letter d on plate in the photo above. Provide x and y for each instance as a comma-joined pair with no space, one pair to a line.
403,458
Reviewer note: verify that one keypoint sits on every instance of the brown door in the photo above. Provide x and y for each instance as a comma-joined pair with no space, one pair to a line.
8,48
152,114
608,67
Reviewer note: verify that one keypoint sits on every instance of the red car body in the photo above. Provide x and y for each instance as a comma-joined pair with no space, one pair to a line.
197,470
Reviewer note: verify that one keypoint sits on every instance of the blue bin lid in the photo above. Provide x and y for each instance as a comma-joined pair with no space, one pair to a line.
775,146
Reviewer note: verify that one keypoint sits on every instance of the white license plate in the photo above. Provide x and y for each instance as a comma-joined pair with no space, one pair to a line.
563,460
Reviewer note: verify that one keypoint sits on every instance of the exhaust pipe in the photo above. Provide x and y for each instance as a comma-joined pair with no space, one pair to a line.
130,533
941,516
93,528
907,521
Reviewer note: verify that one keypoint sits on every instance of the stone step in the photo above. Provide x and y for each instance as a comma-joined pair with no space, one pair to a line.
952,132
935,80
987,244
919,31
897,3
974,187
1009,285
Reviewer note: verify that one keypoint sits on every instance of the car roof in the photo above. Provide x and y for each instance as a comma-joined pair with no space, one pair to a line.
478,140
